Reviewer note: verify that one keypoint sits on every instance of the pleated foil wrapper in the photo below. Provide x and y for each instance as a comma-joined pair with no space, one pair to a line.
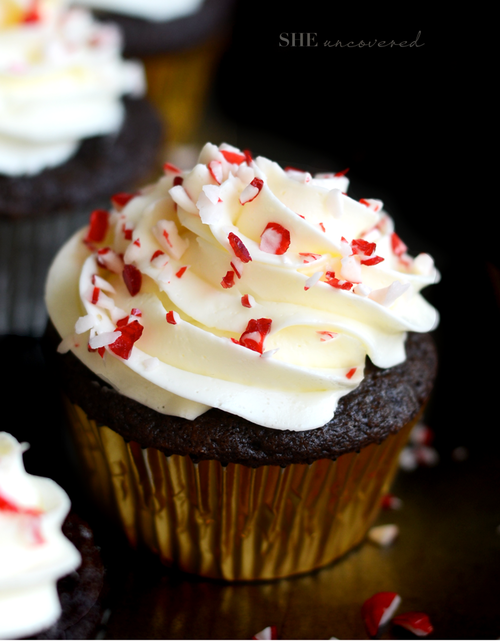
234,522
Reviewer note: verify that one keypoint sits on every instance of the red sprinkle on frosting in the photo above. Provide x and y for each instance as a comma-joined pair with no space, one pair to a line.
181,271
228,280
351,372
133,279
233,157
239,248
255,333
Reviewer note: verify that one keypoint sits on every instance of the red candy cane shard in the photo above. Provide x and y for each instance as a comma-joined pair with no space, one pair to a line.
418,623
374,260
398,247
233,157
342,172
378,610
228,280
130,333
156,255
364,202
239,248
95,295
247,301
98,226
351,372
121,199
181,271
170,168
255,333
251,191
172,317
215,169
132,278
337,283
360,246
275,239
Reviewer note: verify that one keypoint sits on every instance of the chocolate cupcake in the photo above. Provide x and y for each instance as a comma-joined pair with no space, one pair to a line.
65,132
244,353
180,44
51,575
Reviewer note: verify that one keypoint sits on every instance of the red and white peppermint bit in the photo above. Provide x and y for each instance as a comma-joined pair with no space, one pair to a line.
251,191
98,226
237,265
102,284
255,333
247,301
127,229
130,333
275,239
101,351
103,339
364,202
310,257
180,271
167,235
327,335
169,168
418,623
228,280
182,199
391,502
173,317
397,245
132,278
383,535
136,312
269,633
332,280
109,260
239,248
121,199
361,289
322,227
378,610
298,175
233,156
178,180
312,280
159,259
342,172
422,434
215,169
350,374
267,354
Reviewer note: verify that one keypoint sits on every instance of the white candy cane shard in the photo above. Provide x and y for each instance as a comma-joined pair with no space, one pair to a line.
85,323
269,353
251,191
423,264
110,260
151,363
181,197
215,169
168,237
132,253
383,535
351,269
387,296
334,203
269,633
361,289
104,339
102,284
312,280
299,175
209,209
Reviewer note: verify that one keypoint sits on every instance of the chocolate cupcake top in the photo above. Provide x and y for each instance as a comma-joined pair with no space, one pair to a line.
240,286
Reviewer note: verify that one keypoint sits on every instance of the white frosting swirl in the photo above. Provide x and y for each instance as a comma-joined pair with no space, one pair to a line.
61,80
258,290
154,10
34,553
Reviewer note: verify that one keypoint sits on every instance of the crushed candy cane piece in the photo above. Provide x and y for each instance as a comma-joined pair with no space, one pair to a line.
275,239
237,265
110,260
180,271
251,191
132,278
255,333
312,280
171,168
397,245
418,623
387,296
120,199
332,280
85,323
378,610
167,235
269,633
182,199
310,257
98,226
383,535
351,269
361,289
129,334
228,280
247,301
232,155
173,317
391,502
104,339
102,284
351,373
215,169
239,248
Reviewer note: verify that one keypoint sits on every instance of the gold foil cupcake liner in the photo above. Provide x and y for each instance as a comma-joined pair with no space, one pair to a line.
179,84
234,522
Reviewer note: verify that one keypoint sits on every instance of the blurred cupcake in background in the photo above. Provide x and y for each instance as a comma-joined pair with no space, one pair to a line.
180,43
71,111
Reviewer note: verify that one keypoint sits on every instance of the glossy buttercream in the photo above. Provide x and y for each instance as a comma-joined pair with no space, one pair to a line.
61,80
153,10
239,285
34,553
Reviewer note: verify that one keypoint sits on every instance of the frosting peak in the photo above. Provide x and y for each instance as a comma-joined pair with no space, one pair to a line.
240,285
